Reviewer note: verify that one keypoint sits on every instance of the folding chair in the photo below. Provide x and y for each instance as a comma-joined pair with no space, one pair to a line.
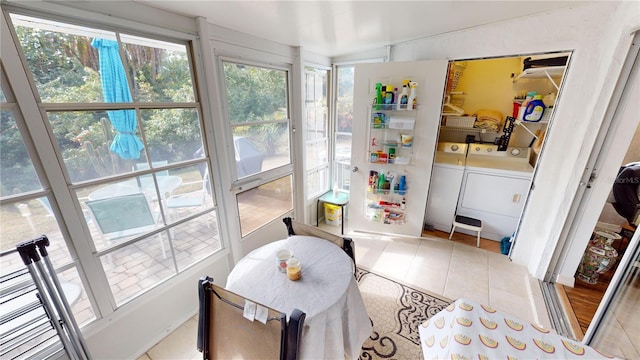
302,229
224,333
124,216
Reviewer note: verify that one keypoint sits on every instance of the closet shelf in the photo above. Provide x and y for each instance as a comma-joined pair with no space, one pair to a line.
540,73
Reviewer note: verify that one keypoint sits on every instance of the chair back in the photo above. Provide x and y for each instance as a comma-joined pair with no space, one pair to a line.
121,216
155,164
224,333
298,228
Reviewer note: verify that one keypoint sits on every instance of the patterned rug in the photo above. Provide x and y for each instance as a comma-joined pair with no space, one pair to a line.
396,311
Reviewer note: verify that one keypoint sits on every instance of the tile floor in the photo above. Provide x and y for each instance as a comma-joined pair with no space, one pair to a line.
437,265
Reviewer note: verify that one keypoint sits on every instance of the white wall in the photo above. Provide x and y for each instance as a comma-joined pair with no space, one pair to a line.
594,32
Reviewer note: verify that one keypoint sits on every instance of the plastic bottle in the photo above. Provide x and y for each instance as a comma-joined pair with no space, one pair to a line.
402,186
388,97
530,95
381,180
411,102
534,110
395,98
378,100
402,99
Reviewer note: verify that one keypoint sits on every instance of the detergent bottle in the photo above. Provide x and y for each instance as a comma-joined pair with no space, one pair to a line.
412,101
534,110
403,98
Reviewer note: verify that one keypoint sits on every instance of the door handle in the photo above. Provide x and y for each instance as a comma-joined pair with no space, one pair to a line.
516,198
354,169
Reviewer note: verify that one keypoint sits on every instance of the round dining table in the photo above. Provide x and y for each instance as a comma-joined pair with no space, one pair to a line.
337,323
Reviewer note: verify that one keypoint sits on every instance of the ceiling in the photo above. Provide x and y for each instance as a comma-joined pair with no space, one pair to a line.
334,28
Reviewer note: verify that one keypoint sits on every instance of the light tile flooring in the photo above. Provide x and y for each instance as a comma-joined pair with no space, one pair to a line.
437,265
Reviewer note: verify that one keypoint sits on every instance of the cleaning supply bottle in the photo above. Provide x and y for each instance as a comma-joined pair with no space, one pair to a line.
378,100
381,181
389,97
411,102
524,104
534,110
402,99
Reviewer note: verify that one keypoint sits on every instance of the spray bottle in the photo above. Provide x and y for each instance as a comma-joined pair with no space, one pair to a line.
412,102
378,100
402,99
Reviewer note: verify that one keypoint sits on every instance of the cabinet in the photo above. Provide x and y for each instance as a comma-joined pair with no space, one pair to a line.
391,134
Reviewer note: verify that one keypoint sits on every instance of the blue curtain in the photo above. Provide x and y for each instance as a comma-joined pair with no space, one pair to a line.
115,88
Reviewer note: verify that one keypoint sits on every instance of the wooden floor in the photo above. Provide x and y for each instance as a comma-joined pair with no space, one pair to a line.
486,244
585,298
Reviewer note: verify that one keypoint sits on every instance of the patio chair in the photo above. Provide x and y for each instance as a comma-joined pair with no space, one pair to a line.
155,164
224,333
123,216
303,229
191,199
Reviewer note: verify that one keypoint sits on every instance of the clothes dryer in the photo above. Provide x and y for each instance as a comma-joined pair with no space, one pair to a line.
494,188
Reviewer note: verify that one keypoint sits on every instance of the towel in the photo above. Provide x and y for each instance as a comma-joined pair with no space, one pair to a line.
488,119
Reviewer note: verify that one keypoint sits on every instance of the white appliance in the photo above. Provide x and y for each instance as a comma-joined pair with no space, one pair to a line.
446,179
494,188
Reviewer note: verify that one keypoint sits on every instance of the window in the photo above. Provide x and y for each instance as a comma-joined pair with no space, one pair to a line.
344,121
258,117
258,104
26,212
124,119
316,133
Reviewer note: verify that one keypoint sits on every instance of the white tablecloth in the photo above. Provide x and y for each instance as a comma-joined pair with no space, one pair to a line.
337,323
468,330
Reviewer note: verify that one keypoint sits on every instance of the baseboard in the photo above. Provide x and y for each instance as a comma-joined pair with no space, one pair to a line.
569,281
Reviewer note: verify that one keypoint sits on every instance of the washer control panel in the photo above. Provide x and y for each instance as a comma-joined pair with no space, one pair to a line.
453,148
492,150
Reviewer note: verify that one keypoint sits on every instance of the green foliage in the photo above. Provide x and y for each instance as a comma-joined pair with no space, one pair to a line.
65,70
255,94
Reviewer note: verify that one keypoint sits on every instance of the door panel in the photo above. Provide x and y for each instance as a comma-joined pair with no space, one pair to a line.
430,76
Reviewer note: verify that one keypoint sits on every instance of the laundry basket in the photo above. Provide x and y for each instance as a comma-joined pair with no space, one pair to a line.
455,72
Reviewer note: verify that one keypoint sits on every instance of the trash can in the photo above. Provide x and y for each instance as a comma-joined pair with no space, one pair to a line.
332,214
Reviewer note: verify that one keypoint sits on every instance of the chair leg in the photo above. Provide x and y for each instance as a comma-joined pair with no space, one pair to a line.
452,230
478,243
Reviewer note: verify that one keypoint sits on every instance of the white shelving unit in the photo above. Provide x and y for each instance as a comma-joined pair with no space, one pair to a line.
544,72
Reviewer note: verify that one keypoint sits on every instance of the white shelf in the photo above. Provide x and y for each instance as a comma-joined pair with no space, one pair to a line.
544,72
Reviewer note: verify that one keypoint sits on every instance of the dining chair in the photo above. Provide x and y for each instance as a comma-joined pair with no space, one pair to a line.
123,216
224,332
345,243
193,198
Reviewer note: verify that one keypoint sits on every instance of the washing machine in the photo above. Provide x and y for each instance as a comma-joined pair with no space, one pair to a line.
494,188
446,179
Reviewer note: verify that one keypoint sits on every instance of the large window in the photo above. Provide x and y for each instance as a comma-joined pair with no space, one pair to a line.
344,121
125,123
316,139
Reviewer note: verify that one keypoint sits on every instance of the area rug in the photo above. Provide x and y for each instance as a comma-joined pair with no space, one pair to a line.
396,311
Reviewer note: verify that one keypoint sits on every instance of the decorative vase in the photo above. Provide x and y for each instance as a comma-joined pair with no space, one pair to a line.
599,257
